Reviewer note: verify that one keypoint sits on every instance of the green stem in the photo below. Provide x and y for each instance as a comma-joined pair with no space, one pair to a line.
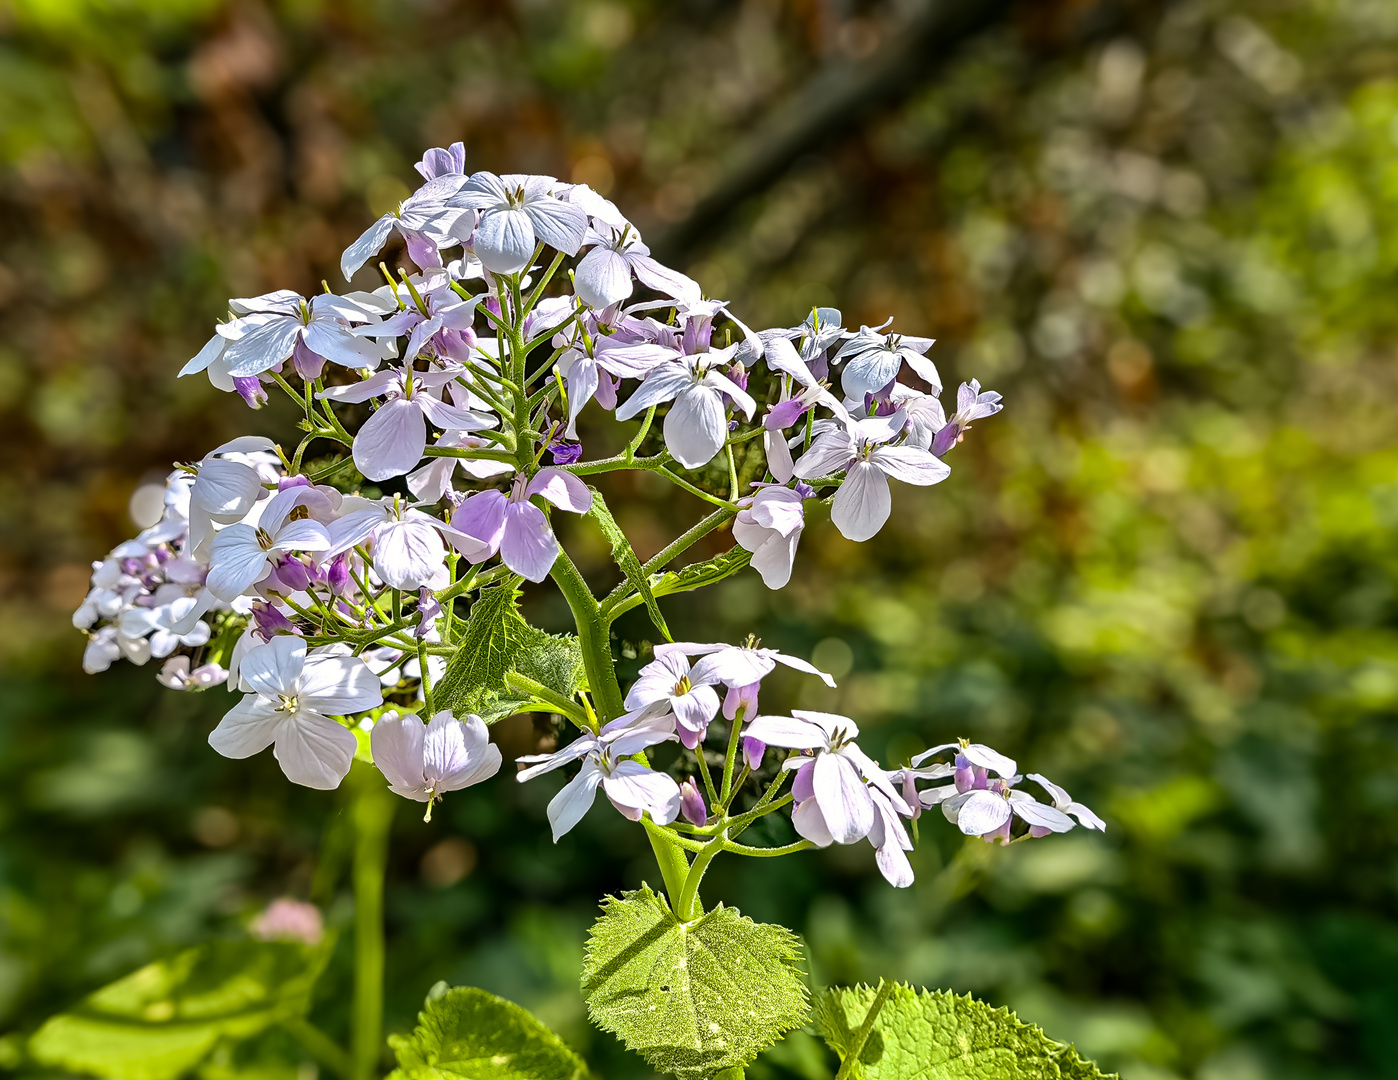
866,1029
767,852
689,906
697,492
674,867
556,701
594,636
373,816
731,757
320,1046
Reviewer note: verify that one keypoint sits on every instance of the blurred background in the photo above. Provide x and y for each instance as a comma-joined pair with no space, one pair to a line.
1164,576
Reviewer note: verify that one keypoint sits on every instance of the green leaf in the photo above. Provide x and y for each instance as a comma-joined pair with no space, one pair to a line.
935,1035
497,641
469,1033
626,559
164,1019
691,998
697,575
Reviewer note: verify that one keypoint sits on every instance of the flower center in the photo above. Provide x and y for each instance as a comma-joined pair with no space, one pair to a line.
264,538
682,687
289,704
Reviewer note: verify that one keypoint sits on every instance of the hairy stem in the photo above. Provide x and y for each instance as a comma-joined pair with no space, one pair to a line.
674,867
689,906
594,636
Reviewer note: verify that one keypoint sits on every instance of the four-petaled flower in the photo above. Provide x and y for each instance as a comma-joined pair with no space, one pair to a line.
289,697
516,212
422,761
515,527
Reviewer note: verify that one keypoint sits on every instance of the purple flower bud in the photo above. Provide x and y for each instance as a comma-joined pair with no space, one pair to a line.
739,375
820,367
698,332
492,305
689,738
965,775
946,438
337,574
783,414
565,453
268,621
293,481
910,793
732,424
1002,833
804,490
692,804
293,574
753,750
250,390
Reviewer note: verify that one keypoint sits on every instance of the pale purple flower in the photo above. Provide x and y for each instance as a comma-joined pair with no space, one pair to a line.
1065,802
289,697
160,625
836,776
872,361
989,812
972,403
424,220
421,761
515,527
432,482
243,554
176,675
285,919
633,788
585,365
769,525
393,439
516,212
603,276
406,544
696,427
736,665
667,685
885,834
439,162
272,326
446,329
860,449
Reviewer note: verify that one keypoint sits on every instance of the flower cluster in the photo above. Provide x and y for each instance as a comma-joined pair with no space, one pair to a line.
327,589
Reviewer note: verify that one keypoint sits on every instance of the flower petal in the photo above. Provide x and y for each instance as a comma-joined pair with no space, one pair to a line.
862,504
567,808
695,426
391,441
314,751
527,544
844,801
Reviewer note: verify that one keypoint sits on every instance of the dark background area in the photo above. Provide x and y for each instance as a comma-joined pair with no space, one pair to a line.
1164,576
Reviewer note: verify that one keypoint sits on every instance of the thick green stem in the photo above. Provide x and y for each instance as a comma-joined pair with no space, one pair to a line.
373,816
689,906
594,636
674,867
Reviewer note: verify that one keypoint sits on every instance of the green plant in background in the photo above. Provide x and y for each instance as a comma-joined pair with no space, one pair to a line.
291,579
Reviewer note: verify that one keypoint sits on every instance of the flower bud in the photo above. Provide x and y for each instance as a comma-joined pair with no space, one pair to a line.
692,803
293,574
753,751
251,391
337,574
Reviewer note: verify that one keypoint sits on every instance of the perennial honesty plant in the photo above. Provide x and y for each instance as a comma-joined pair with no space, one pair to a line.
356,592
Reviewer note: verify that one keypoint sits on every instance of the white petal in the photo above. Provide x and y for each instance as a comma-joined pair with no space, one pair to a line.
567,808
809,823
391,441
829,453
863,503
397,744
237,562
559,224
273,669
246,729
788,731
225,490
338,685
662,279
314,751
986,758
369,244
408,554
602,278
263,348
845,802
662,383
563,489
695,426
634,785
911,465
982,812
505,241
1041,815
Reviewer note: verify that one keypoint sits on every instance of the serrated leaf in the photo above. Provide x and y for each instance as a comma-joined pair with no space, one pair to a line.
494,634
497,641
691,998
935,1035
697,575
626,559
163,1020
470,1033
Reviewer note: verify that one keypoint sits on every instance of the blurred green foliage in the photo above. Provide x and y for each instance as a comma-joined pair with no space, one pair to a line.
1165,576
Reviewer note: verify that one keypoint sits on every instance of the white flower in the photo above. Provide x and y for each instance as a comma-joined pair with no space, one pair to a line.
737,665
696,427
516,211
243,554
669,685
603,276
423,761
177,675
406,543
423,218
229,480
769,525
872,360
289,697
860,450
1064,802
836,777
633,788
393,439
